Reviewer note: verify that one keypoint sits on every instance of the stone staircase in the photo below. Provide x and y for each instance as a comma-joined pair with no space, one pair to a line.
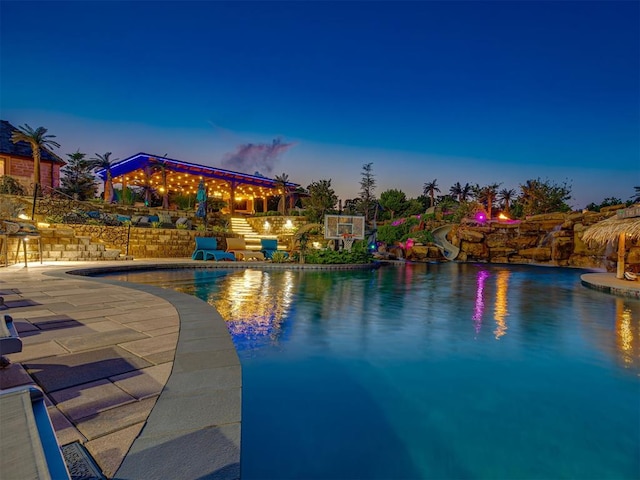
64,245
240,226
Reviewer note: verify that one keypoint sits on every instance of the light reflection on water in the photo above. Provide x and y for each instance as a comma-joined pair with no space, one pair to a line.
430,371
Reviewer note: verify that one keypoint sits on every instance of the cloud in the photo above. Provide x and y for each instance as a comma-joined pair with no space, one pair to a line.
252,157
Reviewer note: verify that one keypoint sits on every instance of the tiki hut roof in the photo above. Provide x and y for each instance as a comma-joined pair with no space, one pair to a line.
610,229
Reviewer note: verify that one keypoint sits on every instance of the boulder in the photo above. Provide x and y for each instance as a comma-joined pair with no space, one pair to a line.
474,249
561,249
470,236
539,254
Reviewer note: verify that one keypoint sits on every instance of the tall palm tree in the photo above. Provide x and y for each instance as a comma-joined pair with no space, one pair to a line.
281,184
456,190
465,192
636,196
38,139
100,162
430,188
505,196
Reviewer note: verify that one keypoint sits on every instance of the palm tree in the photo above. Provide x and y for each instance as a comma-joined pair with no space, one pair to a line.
430,188
505,196
100,162
488,194
281,184
456,190
38,139
636,196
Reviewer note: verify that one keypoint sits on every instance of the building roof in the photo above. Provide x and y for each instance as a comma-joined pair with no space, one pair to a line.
22,149
183,176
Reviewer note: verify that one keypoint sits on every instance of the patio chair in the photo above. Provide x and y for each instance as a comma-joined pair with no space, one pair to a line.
238,247
269,246
207,248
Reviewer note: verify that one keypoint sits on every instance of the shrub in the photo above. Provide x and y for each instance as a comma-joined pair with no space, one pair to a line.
279,257
11,186
357,255
421,236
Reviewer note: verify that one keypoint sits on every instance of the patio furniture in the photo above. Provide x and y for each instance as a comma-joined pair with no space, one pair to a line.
207,249
30,449
10,341
238,247
269,246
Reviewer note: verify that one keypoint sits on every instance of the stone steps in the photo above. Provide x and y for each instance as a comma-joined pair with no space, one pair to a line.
240,226
64,245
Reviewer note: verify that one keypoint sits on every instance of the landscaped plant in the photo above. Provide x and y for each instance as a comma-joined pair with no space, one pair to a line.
11,186
182,226
54,219
358,254
155,224
10,208
279,257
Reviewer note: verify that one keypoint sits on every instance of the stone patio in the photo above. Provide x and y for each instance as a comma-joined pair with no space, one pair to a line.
143,378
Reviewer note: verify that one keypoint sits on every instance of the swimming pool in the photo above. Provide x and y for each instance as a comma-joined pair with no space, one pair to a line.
429,371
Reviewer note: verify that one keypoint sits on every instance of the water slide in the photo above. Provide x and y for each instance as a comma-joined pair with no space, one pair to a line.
449,250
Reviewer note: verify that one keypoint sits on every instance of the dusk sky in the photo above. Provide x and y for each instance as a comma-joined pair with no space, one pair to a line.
474,91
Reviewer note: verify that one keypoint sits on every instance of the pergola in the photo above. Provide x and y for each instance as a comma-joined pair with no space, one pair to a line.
166,175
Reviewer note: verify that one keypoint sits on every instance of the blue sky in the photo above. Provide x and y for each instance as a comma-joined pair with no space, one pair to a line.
474,91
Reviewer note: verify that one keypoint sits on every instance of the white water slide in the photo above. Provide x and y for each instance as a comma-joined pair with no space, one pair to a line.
449,250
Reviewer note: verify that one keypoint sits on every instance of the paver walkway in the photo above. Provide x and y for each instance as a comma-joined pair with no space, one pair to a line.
103,354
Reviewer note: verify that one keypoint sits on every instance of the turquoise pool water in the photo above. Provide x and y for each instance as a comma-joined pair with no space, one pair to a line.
449,371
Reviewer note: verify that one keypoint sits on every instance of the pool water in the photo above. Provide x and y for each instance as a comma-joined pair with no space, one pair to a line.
427,371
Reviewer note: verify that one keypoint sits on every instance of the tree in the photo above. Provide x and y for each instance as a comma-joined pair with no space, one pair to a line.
283,189
368,200
461,193
505,196
321,200
540,196
393,200
351,206
607,202
78,180
487,195
38,139
100,162
635,198
430,188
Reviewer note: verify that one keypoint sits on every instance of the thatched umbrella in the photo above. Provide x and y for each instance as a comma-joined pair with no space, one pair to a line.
617,227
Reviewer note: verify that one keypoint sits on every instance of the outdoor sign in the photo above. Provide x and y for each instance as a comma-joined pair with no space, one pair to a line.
343,226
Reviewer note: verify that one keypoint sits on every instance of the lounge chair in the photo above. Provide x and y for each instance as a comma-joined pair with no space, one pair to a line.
30,447
207,248
269,246
236,246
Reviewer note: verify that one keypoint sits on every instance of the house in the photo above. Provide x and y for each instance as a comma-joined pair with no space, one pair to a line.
16,160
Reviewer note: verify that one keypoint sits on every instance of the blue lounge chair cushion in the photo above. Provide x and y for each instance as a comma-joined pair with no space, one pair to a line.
207,248
269,246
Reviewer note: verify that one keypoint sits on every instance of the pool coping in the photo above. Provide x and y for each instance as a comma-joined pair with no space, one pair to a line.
608,283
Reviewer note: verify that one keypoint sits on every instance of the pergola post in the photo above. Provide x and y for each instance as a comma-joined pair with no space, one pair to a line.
621,250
